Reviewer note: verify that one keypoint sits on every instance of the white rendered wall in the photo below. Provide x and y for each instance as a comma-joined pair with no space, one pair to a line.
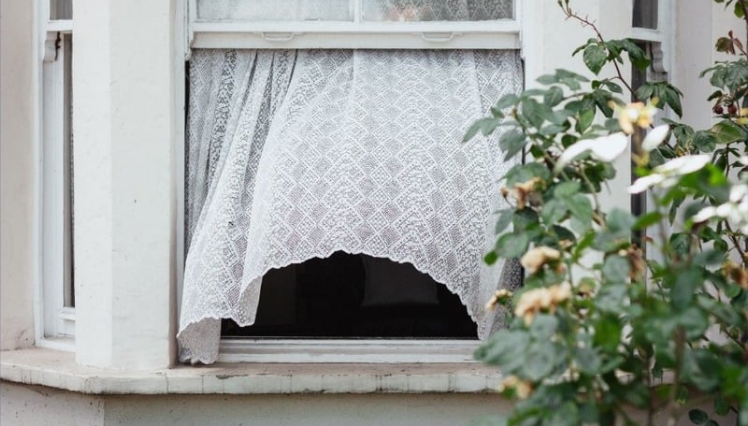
18,263
34,405
125,182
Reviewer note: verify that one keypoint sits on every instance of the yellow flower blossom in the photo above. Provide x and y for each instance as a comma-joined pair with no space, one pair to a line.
534,259
522,388
541,299
636,114
500,296
742,117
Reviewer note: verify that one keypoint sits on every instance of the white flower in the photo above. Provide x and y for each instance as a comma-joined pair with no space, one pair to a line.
683,165
734,211
666,175
739,193
743,160
644,183
605,148
705,214
655,137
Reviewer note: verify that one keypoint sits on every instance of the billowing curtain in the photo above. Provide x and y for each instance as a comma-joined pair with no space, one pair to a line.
294,155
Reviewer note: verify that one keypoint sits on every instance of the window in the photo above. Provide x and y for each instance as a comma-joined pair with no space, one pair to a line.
356,132
58,296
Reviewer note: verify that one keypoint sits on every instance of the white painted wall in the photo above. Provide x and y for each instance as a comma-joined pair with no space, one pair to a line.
125,182
18,261
34,405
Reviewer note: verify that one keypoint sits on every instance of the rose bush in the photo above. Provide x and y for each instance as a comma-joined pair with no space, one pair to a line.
608,324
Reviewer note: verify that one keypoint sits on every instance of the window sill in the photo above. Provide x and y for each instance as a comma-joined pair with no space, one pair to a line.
57,369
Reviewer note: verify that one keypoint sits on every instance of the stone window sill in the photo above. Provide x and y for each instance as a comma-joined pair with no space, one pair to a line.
57,369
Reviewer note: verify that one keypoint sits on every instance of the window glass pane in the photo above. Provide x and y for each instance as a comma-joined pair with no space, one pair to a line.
437,10
60,9
274,10
69,293
645,14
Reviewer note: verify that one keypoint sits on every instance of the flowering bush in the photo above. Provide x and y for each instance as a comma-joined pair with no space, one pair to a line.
623,314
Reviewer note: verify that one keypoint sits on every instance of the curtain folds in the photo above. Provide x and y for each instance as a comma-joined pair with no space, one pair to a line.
294,155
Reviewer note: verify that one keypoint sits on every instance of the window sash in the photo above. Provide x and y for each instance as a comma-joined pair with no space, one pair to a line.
498,34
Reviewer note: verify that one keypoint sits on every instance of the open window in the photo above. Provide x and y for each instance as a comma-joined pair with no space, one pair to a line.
329,195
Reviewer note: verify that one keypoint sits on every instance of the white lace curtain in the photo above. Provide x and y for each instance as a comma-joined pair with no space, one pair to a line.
294,155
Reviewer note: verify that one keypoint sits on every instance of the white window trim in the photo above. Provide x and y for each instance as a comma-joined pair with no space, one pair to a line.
661,39
382,351
54,322
500,34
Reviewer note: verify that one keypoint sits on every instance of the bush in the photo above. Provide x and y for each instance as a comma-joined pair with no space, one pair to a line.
618,313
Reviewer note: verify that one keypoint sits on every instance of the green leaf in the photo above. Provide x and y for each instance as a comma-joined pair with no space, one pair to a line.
586,117
524,172
506,348
540,360
491,258
683,290
694,322
698,417
554,211
726,132
506,101
505,218
620,221
512,246
534,112
512,142
648,219
588,360
721,406
608,333
705,141
580,207
544,327
616,269
554,96
595,56
566,189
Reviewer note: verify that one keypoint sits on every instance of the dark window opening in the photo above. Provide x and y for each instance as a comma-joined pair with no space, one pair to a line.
355,296
646,14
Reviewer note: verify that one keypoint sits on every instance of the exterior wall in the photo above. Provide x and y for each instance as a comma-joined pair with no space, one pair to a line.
17,175
35,405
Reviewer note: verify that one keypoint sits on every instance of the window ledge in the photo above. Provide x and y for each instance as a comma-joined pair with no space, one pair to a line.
58,369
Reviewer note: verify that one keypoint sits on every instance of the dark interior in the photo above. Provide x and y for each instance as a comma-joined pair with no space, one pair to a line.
355,296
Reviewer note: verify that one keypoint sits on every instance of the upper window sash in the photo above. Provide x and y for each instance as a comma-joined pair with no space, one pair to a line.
354,33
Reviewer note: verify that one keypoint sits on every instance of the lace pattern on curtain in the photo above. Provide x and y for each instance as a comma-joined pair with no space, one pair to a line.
294,155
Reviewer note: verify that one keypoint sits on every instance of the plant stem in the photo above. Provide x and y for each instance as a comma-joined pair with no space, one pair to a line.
586,22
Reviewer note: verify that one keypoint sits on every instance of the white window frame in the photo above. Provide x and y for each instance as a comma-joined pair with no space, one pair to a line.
500,34
54,318
661,40
355,34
